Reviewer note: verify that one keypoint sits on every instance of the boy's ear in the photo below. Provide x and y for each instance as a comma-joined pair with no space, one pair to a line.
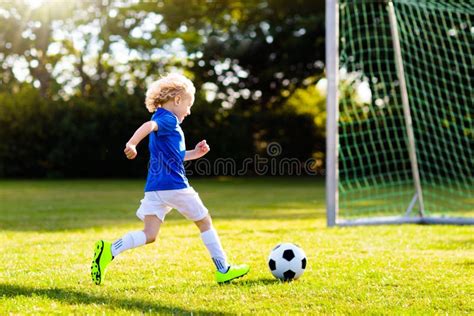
177,99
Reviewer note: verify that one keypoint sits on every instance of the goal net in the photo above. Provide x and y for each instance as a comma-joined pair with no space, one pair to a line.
400,111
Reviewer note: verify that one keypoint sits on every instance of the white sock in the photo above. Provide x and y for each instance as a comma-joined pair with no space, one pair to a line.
213,244
129,241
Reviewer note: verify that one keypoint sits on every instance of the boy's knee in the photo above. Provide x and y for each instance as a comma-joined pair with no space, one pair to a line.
204,224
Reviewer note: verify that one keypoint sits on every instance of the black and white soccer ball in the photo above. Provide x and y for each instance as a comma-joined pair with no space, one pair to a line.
287,261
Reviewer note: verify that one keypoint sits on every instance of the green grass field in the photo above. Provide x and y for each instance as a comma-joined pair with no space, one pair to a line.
48,229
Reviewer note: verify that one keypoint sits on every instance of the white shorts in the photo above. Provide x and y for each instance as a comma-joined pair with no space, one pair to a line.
160,203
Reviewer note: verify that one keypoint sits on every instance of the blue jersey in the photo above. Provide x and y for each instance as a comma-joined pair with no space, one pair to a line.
167,149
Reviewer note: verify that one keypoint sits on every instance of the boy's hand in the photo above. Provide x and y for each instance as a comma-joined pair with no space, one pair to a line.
130,151
202,148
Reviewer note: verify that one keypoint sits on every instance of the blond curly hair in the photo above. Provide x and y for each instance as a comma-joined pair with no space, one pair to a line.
165,89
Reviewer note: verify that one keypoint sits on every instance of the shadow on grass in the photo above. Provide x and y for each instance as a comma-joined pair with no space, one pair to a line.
252,283
75,297
24,222
70,205
467,264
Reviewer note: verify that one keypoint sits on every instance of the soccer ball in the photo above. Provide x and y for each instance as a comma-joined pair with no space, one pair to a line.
287,261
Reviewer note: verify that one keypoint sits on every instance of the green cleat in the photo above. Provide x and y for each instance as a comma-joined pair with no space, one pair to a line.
234,272
102,258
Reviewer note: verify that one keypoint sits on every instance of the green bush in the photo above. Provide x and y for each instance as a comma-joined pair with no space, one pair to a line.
75,138
85,137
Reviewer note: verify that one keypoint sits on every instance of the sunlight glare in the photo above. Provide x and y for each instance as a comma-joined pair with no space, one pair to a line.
34,4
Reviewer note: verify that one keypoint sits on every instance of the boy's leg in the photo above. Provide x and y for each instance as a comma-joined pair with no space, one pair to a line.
104,252
225,272
213,244
188,203
138,238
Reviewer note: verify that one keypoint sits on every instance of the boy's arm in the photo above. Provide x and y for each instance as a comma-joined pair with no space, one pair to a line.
142,132
201,149
190,155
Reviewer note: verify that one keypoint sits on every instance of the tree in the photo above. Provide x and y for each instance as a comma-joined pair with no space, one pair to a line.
254,64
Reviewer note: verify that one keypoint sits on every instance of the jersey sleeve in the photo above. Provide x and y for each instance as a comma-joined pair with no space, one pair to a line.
166,123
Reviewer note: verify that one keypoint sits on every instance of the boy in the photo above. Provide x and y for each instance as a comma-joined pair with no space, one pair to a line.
167,187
